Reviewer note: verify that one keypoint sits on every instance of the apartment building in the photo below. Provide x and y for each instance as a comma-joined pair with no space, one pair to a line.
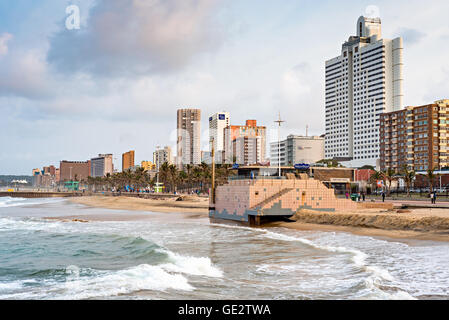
128,160
241,140
416,136
188,137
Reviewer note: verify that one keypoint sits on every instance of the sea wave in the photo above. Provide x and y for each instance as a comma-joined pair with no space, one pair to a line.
155,267
30,224
191,265
359,259
101,284
6,202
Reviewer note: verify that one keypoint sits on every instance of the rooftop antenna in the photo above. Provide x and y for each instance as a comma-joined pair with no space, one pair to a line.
279,122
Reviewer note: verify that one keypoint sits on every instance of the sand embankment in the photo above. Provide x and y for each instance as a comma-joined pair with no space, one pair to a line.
189,204
429,224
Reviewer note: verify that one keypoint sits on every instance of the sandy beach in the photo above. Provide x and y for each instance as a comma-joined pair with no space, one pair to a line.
419,224
190,204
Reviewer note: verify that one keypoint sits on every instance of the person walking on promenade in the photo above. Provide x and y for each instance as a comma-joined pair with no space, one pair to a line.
434,197
359,197
363,196
347,195
431,197
383,196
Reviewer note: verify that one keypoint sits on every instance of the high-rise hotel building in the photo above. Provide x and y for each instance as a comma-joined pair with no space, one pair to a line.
365,81
188,137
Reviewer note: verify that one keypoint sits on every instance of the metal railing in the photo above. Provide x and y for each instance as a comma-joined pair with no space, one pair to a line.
233,178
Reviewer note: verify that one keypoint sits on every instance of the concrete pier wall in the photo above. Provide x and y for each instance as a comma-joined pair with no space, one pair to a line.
240,199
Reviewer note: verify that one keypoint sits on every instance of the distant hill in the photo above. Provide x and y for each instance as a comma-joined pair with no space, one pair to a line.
6,179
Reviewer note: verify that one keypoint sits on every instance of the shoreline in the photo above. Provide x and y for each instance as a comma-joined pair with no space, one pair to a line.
400,235
407,225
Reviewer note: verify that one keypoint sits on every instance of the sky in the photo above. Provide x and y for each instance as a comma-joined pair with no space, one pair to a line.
115,83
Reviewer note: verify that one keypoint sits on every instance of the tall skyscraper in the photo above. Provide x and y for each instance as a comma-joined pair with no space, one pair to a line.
188,137
128,160
101,165
365,81
217,124
245,144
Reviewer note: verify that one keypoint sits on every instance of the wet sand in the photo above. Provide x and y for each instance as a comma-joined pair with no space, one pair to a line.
190,204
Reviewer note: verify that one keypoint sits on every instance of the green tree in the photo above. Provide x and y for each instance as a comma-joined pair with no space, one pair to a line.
431,178
409,176
390,176
376,176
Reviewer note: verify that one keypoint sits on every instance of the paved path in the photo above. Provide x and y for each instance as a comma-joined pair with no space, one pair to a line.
416,203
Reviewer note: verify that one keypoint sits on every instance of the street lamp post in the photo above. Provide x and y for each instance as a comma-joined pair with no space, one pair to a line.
213,172
279,122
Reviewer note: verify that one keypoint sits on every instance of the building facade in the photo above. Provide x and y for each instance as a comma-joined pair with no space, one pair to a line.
365,81
101,165
247,150
217,124
297,149
148,166
241,141
188,136
160,156
416,137
71,170
128,160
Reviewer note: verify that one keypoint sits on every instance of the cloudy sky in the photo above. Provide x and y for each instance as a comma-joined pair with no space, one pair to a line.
115,83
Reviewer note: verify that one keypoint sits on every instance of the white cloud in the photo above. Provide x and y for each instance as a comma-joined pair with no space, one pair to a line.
136,37
295,85
4,38
24,74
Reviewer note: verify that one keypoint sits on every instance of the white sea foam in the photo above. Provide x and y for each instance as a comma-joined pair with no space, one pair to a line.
6,202
191,265
30,224
107,283
11,202
141,277
11,286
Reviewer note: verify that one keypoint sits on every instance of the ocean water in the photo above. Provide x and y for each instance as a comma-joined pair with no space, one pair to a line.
176,256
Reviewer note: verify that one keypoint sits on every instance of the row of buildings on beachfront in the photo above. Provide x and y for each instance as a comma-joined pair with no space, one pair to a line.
239,144
366,123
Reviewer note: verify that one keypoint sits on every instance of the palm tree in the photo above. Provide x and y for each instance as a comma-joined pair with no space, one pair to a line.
431,178
164,173
174,178
376,176
409,176
390,176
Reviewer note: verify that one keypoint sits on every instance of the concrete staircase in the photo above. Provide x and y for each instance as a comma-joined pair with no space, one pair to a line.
271,198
